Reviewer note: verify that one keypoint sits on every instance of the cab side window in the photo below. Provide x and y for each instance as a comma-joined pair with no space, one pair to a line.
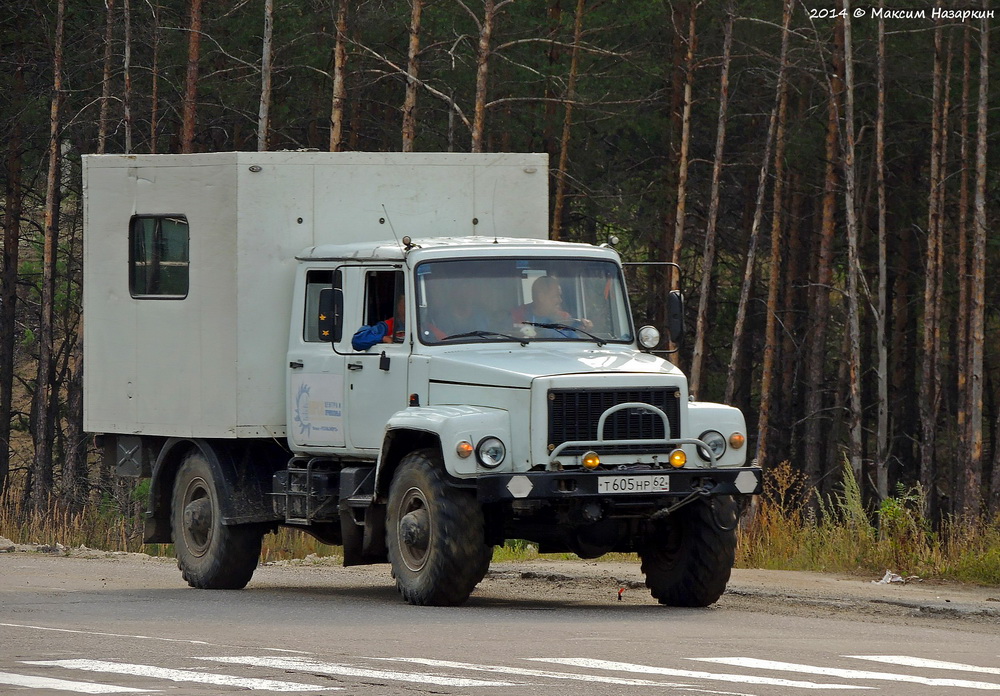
382,288
384,311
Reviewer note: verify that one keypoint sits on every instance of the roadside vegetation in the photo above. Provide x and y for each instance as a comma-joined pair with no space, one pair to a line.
787,528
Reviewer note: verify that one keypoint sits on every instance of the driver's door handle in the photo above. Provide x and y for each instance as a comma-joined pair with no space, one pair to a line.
355,366
296,364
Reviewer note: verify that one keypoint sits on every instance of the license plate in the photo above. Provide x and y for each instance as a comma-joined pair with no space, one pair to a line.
646,483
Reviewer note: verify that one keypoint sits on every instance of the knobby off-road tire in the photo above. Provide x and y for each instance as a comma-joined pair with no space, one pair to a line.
434,534
210,555
689,561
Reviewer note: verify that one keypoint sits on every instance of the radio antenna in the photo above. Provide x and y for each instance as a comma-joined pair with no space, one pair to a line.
391,228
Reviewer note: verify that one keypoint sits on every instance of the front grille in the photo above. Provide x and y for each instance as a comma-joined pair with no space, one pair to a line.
573,415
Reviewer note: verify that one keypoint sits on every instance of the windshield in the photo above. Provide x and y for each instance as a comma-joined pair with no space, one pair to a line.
521,300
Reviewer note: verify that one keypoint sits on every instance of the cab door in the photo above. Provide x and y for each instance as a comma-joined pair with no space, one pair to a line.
376,377
316,387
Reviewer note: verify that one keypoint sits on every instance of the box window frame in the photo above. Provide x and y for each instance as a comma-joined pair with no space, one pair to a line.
133,261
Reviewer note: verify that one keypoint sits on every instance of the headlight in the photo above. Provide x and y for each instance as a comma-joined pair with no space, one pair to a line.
649,337
715,441
491,452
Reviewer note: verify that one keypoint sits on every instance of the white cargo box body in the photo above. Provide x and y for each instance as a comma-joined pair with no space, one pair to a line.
213,363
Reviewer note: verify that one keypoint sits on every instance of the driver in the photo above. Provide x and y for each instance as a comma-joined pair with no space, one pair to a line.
546,308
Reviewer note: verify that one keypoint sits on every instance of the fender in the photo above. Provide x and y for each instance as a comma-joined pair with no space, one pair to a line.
702,416
442,427
243,483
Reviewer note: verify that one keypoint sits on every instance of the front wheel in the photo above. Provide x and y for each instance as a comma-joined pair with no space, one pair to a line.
434,534
210,555
688,561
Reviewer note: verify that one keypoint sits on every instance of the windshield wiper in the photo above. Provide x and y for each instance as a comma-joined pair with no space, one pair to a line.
600,341
485,334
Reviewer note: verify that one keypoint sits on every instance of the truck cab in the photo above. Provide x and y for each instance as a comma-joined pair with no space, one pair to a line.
513,366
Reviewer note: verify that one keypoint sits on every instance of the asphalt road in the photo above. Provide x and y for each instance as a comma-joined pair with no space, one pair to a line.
125,624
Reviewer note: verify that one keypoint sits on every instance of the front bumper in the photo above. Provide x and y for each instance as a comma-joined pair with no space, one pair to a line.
565,485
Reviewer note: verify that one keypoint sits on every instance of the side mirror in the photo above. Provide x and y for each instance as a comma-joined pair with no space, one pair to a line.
331,315
675,316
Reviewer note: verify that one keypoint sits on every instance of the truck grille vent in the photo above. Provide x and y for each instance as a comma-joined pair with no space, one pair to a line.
573,415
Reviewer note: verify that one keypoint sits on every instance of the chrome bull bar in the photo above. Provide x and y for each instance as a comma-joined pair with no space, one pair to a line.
600,441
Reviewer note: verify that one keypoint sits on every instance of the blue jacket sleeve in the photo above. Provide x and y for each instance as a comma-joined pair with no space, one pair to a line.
367,336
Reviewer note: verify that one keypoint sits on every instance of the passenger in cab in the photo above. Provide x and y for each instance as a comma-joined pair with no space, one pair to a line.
391,330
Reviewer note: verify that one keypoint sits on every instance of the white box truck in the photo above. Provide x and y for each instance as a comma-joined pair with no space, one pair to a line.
385,351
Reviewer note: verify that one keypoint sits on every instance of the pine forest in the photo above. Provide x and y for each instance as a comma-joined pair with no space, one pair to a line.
821,173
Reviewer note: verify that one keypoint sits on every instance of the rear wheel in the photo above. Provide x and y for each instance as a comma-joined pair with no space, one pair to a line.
210,555
689,560
434,534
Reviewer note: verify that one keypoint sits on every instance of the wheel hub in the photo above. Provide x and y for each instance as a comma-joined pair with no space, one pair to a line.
414,529
198,523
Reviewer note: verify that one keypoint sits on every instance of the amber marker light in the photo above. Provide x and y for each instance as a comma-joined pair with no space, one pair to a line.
590,460
737,440
678,458
464,449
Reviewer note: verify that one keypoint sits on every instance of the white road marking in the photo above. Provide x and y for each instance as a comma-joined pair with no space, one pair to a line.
690,674
177,675
99,633
165,640
520,671
295,663
908,661
30,682
755,663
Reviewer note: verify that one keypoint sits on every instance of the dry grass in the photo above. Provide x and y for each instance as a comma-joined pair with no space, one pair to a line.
93,526
790,529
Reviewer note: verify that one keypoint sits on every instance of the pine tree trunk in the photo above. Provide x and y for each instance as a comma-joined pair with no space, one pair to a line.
74,450
815,461
574,66
43,413
680,214
102,119
971,474
679,12
708,256
154,97
267,51
774,280
190,101
929,364
739,329
13,203
339,82
127,70
882,435
978,298
482,73
853,259
412,71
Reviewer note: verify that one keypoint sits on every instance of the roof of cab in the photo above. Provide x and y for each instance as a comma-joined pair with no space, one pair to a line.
391,250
